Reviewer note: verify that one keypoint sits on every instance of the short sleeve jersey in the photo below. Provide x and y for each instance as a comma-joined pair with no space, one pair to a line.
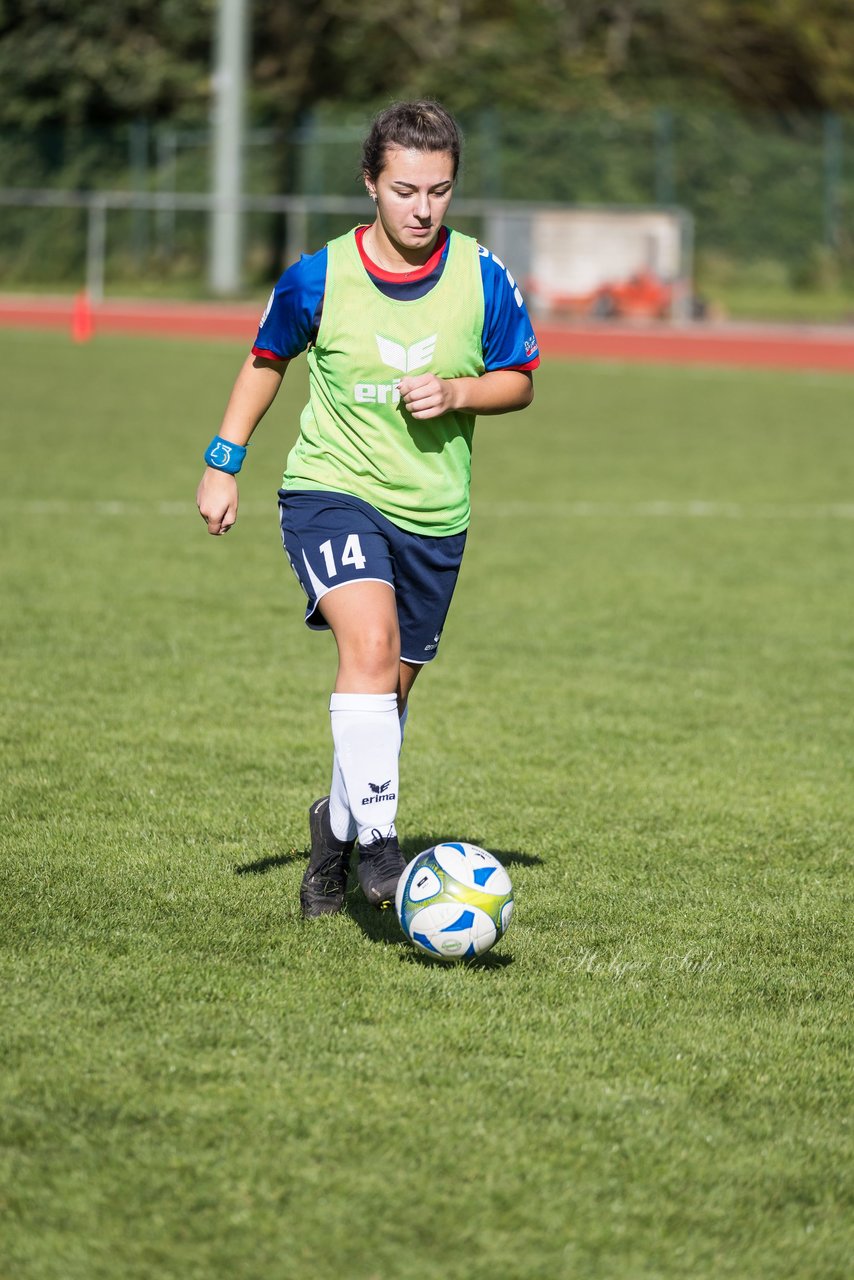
460,314
294,310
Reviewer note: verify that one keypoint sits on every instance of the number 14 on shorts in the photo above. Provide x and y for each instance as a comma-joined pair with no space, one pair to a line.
352,554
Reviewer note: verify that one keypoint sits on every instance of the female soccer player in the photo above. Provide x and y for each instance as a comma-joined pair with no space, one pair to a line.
412,330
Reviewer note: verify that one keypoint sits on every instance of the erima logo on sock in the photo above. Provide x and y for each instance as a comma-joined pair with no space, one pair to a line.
381,792
396,356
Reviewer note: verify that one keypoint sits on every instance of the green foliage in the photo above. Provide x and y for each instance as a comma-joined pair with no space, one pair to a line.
94,62
642,704
792,55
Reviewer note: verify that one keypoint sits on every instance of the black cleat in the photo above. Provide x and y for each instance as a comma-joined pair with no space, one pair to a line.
325,881
381,865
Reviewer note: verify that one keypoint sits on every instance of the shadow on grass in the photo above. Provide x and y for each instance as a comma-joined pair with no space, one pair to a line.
379,926
509,858
263,865
410,847
413,845
491,960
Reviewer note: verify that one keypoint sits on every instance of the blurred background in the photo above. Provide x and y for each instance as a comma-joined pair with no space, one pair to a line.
127,130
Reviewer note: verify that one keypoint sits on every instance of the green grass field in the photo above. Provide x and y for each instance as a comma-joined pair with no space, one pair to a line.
642,704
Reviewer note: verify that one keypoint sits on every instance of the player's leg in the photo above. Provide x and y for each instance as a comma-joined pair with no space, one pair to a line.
385,594
363,619
335,808
426,571
339,552
371,623
341,819
366,729
406,679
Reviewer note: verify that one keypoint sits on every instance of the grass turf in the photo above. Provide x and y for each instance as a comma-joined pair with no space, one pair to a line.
642,704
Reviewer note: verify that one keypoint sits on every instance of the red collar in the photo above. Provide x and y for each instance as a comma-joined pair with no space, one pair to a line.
415,273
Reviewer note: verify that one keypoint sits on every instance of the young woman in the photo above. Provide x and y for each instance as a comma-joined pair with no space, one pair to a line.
411,330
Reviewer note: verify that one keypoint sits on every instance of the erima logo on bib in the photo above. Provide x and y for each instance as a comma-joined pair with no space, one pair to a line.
396,356
406,359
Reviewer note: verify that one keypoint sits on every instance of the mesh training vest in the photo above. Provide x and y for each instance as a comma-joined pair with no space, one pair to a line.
355,435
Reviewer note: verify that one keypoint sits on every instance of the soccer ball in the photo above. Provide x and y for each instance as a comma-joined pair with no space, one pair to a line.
454,901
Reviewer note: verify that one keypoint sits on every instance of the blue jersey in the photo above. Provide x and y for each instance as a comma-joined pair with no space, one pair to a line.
292,317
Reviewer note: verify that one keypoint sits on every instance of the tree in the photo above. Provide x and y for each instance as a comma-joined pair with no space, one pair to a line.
98,61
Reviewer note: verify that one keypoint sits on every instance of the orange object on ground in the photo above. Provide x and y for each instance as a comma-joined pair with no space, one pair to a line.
82,321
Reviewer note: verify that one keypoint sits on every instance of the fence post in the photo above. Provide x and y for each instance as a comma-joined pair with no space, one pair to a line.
297,232
138,157
232,55
167,183
665,183
311,160
490,154
832,139
310,157
96,245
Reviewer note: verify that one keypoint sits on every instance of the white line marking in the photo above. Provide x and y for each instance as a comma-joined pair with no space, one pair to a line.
663,510
122,507
668,510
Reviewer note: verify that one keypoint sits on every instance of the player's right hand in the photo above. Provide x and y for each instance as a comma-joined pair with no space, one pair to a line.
216,498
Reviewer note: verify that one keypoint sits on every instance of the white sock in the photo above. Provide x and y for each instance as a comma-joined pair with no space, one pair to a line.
366,733
340,817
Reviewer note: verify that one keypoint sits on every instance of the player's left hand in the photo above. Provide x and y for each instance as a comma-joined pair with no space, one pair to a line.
427,396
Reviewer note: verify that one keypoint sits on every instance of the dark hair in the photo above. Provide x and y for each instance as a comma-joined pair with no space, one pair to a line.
417,126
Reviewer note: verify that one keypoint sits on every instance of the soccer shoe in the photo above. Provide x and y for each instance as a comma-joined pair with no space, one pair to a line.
325,881
381,865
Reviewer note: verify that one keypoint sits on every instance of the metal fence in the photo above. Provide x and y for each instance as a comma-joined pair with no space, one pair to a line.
508,225
759,188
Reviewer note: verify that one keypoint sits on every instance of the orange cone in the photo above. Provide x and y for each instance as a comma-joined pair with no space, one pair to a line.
82,322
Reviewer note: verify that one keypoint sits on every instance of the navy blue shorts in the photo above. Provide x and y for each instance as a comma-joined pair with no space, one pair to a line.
333,538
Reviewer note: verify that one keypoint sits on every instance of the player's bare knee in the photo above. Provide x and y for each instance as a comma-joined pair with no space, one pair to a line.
375,656
379,656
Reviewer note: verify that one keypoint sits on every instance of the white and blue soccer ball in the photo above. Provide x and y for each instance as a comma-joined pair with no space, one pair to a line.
454,901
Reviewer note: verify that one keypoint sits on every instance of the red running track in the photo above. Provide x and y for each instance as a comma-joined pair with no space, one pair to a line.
757,346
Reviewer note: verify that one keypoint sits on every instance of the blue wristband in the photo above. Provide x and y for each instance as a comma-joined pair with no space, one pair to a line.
223,455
